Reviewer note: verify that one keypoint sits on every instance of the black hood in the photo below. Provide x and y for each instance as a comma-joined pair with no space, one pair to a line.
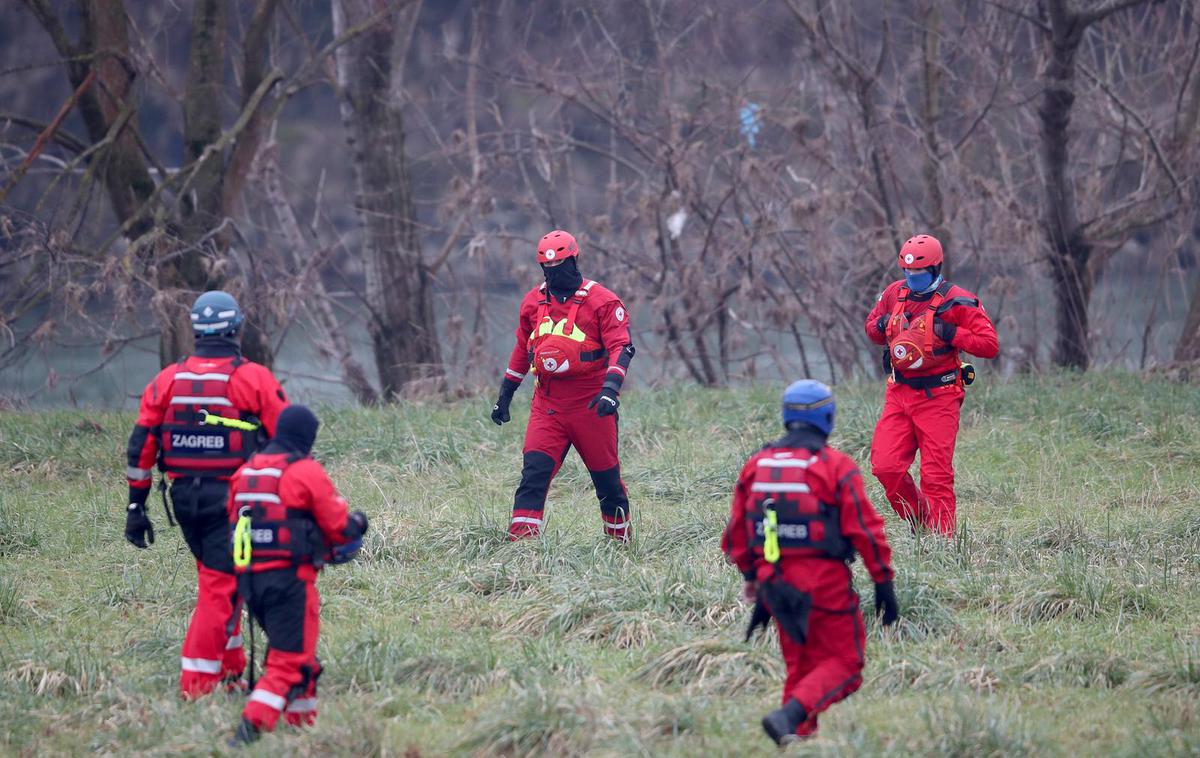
295,431
802,435
562,280
216,346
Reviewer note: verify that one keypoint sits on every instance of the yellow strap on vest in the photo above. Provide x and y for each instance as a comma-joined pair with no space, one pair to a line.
771,535
241,541
212,419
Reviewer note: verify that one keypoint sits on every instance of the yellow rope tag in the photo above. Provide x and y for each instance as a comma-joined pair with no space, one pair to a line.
771,536
241,542
212,419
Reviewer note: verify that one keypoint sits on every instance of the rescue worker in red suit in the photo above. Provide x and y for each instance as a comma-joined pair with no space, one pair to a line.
198,458
799,516
925,323
288,521
574,334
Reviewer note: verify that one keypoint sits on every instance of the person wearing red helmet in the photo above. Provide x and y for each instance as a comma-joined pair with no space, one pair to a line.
574,335
925,323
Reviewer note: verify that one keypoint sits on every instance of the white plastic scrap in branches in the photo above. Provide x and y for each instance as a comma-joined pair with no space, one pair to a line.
675,223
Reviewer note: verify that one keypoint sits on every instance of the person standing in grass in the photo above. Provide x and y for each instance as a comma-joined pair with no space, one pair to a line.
924,322
288,520
574,334
799,516
183,427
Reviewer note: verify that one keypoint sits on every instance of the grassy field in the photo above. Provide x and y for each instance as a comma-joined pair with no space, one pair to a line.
1064,619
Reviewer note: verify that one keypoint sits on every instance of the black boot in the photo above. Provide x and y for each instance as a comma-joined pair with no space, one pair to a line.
245,734
781,725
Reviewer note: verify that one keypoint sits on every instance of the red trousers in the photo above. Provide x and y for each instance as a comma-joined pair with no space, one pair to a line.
548,438
828,666
918,420
212,649
286,605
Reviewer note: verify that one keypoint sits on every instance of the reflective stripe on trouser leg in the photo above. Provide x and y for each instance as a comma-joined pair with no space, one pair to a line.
529,502
289,610
206,646
614,502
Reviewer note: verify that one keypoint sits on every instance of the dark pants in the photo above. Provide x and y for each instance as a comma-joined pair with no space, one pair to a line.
288,609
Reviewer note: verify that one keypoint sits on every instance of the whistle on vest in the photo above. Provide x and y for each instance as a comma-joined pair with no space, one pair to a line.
212,419
242,545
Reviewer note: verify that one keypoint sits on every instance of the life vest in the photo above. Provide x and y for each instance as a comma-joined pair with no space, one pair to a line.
782,503
911,344
268,533
562,349
189,448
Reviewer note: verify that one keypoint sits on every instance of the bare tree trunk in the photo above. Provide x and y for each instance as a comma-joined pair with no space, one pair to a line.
931,113
398,293
316,299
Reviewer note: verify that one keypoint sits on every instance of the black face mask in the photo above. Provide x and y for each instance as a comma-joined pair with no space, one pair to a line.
564,278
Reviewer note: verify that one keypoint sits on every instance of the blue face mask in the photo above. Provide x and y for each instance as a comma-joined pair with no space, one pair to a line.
919,281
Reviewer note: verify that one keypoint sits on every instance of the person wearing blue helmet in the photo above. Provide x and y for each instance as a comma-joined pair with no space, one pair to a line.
198,422
799,517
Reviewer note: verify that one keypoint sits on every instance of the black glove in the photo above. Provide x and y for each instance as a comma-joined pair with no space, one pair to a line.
356,525
500,409
881,324
885,601
606,403
138,529
944,330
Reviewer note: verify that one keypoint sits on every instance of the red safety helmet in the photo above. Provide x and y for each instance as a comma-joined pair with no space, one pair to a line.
922,251
556,246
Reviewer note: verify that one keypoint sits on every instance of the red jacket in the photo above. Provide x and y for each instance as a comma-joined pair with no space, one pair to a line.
974,331
304,492
834,480
251,389
602,317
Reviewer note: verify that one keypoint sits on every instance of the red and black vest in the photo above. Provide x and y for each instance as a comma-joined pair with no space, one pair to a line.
562,349
911,344
189,448
807,527
280,536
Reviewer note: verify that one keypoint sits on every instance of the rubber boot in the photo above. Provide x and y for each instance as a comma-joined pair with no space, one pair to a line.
781,725
245,734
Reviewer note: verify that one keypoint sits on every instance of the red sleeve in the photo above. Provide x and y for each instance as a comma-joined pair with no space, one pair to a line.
614,335
518,362
883,307
735,542
142,451
256,390
862,525
975,334
328,506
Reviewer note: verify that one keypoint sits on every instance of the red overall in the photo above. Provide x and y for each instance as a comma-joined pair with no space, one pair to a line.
559,417
296,515
824,519
198,460
922,402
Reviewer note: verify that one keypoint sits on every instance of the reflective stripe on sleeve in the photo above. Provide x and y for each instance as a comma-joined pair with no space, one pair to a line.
269,699
514,374
234,642
137,474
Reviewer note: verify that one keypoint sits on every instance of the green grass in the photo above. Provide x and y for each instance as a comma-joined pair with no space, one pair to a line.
1064,619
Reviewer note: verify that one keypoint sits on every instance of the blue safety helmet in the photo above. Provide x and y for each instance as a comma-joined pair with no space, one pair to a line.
216,313
811,402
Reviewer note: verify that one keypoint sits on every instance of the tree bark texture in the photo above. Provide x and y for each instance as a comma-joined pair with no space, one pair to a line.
398,285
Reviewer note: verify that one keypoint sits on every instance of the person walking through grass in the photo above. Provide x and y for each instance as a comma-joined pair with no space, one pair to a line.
799,515
574,335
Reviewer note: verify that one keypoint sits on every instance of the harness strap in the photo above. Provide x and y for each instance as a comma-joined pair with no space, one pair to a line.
927,382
